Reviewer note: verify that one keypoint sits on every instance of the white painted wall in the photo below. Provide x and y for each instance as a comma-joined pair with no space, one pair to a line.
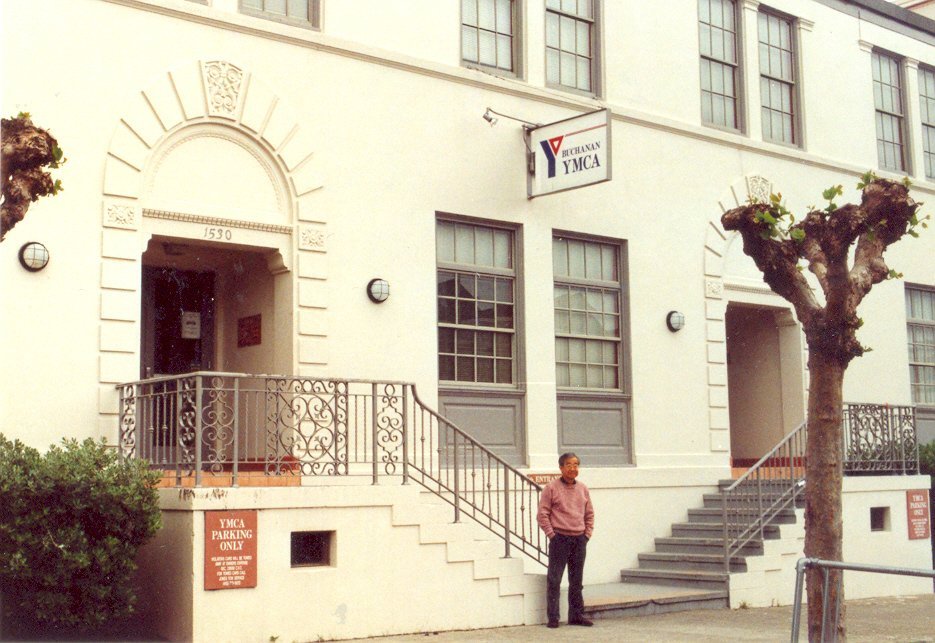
364,132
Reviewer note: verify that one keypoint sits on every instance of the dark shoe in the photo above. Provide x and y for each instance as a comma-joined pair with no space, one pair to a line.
581,621
552,624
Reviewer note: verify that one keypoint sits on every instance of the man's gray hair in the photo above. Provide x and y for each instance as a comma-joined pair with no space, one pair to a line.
565,456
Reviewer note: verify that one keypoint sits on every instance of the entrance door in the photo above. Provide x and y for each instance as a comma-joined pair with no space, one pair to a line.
764,379
178,321
177,337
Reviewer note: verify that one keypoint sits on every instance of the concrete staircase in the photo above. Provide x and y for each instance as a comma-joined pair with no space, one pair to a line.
686,570
467,543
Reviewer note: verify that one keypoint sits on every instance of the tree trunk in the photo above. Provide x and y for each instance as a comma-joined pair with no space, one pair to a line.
824,472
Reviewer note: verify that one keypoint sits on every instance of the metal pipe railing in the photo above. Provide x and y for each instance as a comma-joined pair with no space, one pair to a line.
830,614
208,424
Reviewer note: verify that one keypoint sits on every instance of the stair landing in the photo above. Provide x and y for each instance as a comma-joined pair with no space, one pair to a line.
613,600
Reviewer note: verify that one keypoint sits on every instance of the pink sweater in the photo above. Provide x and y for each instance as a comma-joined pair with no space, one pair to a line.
566,509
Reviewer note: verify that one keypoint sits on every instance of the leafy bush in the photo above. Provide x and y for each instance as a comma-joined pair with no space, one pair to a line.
71,522
927,460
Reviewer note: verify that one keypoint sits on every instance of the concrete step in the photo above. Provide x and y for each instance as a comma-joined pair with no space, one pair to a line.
713,530
692,579
687,545
712,500
616,600
715,515
419,513
690,562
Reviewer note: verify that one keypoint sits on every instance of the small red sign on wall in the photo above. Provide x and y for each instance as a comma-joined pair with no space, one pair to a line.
248,331
230,549
918,514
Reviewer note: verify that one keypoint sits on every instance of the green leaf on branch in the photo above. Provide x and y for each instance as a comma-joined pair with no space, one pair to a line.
798,234
866,179
892,274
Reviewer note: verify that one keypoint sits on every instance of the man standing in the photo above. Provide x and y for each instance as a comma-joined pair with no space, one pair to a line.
566,515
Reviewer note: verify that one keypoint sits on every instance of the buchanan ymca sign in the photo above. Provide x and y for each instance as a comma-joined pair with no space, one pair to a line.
569,154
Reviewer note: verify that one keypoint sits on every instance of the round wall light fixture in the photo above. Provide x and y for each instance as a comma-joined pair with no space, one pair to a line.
378,290
33,256
675,321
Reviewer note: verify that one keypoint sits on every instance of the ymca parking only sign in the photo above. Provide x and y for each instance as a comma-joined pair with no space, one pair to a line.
569,154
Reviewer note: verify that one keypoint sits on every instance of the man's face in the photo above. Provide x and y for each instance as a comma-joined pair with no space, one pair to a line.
570,469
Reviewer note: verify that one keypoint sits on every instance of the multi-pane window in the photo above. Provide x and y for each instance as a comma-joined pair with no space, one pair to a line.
569,44
777,78
476,314
888,101
927,109
487,33
720,67
587,314
920,314
300,12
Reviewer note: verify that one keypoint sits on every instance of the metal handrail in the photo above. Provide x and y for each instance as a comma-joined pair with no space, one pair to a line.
830,614
746,513
514,520
223,424
876,438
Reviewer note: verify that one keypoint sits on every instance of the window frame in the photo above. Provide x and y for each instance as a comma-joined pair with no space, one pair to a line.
595,37
619,286
313,21
793,84
904,148
928,126
516,46
739,104
490,271
918,322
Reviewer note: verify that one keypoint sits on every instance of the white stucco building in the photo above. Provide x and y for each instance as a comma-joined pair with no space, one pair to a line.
239,171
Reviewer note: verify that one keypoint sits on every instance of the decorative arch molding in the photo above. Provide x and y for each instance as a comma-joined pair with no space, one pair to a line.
194,102
719,290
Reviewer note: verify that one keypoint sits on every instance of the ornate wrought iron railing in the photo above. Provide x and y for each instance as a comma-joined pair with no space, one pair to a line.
772,484
880,439
877,439
225,426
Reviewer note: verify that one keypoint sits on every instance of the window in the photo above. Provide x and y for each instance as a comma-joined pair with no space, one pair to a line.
569,44
927,109
888,101
920,314
488,29
777,78
879,518
720,67
304,13
587,314
476,280
311,548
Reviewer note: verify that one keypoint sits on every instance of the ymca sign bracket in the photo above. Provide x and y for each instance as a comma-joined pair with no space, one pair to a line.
568,154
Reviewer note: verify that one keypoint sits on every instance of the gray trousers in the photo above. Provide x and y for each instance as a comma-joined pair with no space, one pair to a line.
565,551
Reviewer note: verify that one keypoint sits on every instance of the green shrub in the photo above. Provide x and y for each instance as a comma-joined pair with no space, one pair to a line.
927,460
71,522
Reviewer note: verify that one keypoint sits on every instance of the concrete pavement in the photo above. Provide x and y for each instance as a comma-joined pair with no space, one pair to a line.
905,619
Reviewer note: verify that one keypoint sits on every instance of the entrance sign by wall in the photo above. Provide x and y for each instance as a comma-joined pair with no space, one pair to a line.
918,514
230,549
543,478
569,154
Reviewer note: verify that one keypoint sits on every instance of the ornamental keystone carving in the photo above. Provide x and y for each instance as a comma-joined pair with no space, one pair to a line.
759,189
120,216
312,239
222,86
